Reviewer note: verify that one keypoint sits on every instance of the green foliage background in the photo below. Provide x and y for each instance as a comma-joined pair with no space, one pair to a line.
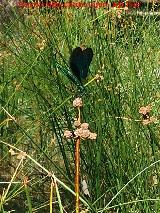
37,90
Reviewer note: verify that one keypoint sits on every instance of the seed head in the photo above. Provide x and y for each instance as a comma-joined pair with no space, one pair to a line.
92,136
145,110
68,134
84,126
77,102
77,123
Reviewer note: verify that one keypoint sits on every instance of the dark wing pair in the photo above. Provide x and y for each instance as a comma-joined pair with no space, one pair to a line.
80,61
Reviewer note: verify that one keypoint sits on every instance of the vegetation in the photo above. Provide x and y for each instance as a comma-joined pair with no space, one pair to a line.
121,104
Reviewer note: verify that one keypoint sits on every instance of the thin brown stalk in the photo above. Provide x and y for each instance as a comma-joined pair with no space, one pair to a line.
77,167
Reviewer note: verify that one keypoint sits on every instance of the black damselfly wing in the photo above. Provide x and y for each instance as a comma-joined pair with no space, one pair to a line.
80,61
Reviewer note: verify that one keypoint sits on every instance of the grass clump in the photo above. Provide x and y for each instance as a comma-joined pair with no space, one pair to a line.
120,168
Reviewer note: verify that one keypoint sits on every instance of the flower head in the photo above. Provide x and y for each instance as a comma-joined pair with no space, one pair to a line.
99,77
68,134
83,133
145,110
151,119
77,102
78,132
77,123
84,126
93,136
82,130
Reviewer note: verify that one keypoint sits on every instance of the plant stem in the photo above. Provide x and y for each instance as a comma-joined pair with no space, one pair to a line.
77,159
77,165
